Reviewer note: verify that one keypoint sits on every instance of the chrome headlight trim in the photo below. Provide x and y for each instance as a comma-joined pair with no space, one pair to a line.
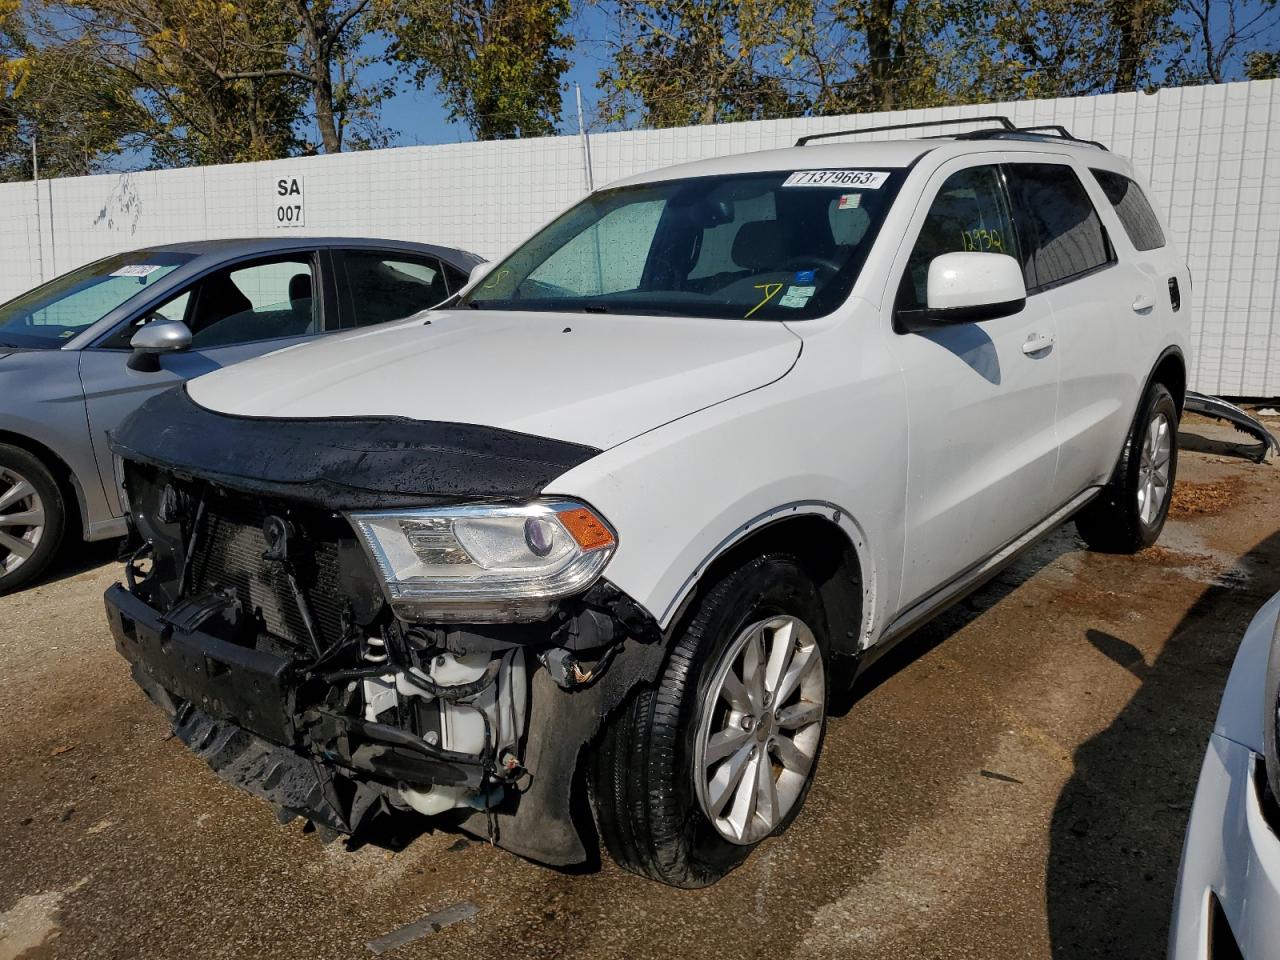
511,588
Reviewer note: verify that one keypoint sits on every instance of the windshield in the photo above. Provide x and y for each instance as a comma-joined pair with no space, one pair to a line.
785,245
54,312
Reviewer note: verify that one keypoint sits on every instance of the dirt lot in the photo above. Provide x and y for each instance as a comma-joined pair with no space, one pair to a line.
1012,782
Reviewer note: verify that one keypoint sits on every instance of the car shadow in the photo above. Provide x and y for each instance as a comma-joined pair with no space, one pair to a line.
74,559
1117,827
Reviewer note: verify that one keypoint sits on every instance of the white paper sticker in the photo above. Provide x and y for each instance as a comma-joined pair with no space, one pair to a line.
867,179
136,270
796,296
849,201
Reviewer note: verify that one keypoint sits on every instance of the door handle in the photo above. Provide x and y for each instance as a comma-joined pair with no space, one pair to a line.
1036,343
1143,302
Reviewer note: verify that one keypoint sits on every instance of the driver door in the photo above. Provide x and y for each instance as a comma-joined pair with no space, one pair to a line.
236,312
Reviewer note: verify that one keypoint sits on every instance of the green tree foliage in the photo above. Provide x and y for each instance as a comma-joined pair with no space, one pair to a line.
53,95
701,61
498,64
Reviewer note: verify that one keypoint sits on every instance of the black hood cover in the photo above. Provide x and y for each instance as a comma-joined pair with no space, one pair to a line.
356,463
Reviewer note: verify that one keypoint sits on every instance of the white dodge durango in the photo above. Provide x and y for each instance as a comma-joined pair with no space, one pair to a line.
578,558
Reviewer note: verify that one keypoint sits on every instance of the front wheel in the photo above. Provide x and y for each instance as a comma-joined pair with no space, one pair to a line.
1130,513
693,774
32,518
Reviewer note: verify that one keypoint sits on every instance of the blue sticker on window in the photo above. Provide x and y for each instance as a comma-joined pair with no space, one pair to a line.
805,276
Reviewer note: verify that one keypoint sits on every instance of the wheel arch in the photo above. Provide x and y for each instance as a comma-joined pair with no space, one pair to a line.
62,473
1169,369
830,545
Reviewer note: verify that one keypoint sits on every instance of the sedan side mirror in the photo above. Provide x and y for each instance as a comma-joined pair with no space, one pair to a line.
479,272
154,338
964,287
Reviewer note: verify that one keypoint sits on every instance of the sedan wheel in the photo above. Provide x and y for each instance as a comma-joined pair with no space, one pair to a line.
761,729
22,520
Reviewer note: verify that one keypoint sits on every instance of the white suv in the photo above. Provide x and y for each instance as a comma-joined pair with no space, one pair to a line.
599,535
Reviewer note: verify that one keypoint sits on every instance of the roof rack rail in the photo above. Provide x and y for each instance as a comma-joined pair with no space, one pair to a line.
1042,132
1004,122
1005,130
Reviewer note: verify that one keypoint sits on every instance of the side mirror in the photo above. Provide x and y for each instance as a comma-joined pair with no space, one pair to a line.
479,272
154,338
964,287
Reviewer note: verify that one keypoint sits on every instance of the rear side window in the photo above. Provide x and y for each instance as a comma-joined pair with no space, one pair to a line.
391,286
1133,209
1061,232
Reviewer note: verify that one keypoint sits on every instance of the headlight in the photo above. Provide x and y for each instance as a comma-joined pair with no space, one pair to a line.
476,564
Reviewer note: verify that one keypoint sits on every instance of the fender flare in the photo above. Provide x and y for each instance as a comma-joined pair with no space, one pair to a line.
832,513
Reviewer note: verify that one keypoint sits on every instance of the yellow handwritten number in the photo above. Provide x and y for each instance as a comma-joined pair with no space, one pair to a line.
770,291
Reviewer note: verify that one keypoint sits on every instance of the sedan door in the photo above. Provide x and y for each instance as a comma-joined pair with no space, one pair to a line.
238,311
982,443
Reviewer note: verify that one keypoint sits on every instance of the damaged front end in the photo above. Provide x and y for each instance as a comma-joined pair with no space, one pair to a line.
342,662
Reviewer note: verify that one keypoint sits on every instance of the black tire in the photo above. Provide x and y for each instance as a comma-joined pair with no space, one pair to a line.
16,462
642,776
1114,521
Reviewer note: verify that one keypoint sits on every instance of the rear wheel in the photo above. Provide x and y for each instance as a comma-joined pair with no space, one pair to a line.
1130,513
693,774
32,518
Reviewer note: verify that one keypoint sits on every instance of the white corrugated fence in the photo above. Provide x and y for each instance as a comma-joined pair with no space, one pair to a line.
1211,156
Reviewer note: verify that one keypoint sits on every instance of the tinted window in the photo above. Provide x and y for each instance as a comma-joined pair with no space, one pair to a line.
1061,231
256,301
779,245
1135,213
457,279
385,286
969,213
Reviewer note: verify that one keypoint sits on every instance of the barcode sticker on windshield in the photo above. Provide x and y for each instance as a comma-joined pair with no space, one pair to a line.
867,179
136,270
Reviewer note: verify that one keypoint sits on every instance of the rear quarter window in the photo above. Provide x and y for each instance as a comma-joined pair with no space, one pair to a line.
1134,210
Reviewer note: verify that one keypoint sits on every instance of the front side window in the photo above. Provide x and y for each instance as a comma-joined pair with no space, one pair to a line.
785,245
970,213
255,301
1061,231
384,286
56,311
1134,210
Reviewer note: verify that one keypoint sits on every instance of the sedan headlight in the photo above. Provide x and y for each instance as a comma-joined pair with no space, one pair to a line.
484,564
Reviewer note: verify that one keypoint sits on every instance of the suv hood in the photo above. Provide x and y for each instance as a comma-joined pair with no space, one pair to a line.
585,378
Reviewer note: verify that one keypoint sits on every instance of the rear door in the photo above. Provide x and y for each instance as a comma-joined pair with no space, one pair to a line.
982,444
236,312
1099,302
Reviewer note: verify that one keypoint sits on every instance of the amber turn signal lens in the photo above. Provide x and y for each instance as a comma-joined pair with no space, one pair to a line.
585,528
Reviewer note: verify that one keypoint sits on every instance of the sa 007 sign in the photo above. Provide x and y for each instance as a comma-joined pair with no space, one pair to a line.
288,202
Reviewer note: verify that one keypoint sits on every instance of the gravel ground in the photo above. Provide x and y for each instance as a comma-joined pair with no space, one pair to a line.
1013,781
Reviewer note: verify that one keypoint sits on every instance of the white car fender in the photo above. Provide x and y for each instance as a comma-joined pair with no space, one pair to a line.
827,439
1240,717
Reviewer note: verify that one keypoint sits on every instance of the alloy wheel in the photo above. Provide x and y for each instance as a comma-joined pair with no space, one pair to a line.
1153,468
760,730
21,520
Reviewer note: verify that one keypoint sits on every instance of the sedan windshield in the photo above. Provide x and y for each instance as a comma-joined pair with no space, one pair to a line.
785,245
54,312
